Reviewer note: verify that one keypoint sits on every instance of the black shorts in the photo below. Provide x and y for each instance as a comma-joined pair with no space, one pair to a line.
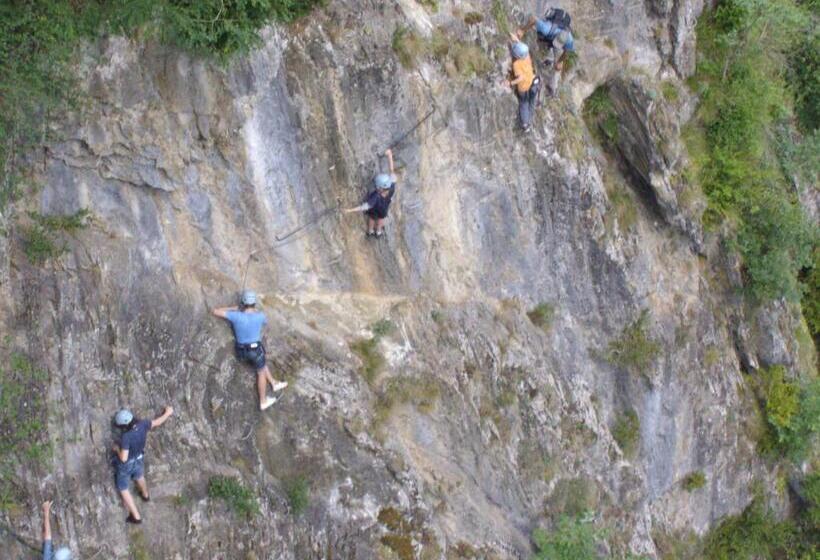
253,354
375,214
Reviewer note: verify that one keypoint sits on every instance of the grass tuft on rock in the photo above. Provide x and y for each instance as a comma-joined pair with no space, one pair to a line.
634,350
626,431
694,481
367,349
542,315
238,497
298,491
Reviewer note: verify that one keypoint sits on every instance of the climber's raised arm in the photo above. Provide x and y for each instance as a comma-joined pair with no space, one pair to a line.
222,312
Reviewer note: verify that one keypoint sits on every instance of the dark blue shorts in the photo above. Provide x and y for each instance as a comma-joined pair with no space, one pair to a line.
128,471
253,354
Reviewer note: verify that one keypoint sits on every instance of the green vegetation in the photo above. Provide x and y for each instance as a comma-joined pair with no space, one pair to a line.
745,100
408,46
542,315
811,495
670,91
423,393
571,539
792,413
39,40
467,59
811,297
402,545
239,498
627,432
500,16
372,360
600,115
298,491
634,350
382,328
624,206
755,534
39,238
781,398
473,18
574,497
694,481
24,442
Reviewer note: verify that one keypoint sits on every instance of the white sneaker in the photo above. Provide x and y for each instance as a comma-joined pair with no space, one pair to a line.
267,403
279,386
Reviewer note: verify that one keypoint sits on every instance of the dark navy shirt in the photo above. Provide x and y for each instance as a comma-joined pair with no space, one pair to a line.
134,439
380,204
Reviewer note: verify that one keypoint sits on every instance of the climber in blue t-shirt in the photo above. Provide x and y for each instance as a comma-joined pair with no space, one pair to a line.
247,325
378,200
61,553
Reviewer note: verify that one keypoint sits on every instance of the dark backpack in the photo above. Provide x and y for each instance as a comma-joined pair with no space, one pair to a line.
559,17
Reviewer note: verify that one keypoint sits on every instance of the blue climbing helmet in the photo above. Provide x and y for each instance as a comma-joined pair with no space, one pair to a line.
248,298
62,554
520,50
123,417
382,181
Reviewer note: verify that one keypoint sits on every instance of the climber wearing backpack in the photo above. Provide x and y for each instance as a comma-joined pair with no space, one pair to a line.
129,450
555,32
378,201
522,76
61,553
247,325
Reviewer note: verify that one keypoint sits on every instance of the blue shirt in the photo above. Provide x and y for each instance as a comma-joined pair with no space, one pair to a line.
563,37
134,439
47,553
247,327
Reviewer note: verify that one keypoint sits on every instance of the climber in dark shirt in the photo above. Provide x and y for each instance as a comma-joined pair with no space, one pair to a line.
129,462
378,201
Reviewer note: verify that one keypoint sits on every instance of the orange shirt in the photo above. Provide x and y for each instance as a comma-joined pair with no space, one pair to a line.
522,67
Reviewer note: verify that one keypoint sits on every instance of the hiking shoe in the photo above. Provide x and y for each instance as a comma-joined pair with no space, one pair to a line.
526,128
267,403
379,233
144,498
132,519
279,386
371,233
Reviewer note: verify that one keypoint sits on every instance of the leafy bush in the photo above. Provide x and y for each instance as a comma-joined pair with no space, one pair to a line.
600,114
572,539
298,491
804,79
755,534
634,350
811,495
694,481
39,39
744,98
39,238
781,398
627,432
811,297
541,315
239,498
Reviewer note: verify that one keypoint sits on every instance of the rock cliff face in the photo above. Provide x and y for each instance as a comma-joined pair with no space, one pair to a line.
481,425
